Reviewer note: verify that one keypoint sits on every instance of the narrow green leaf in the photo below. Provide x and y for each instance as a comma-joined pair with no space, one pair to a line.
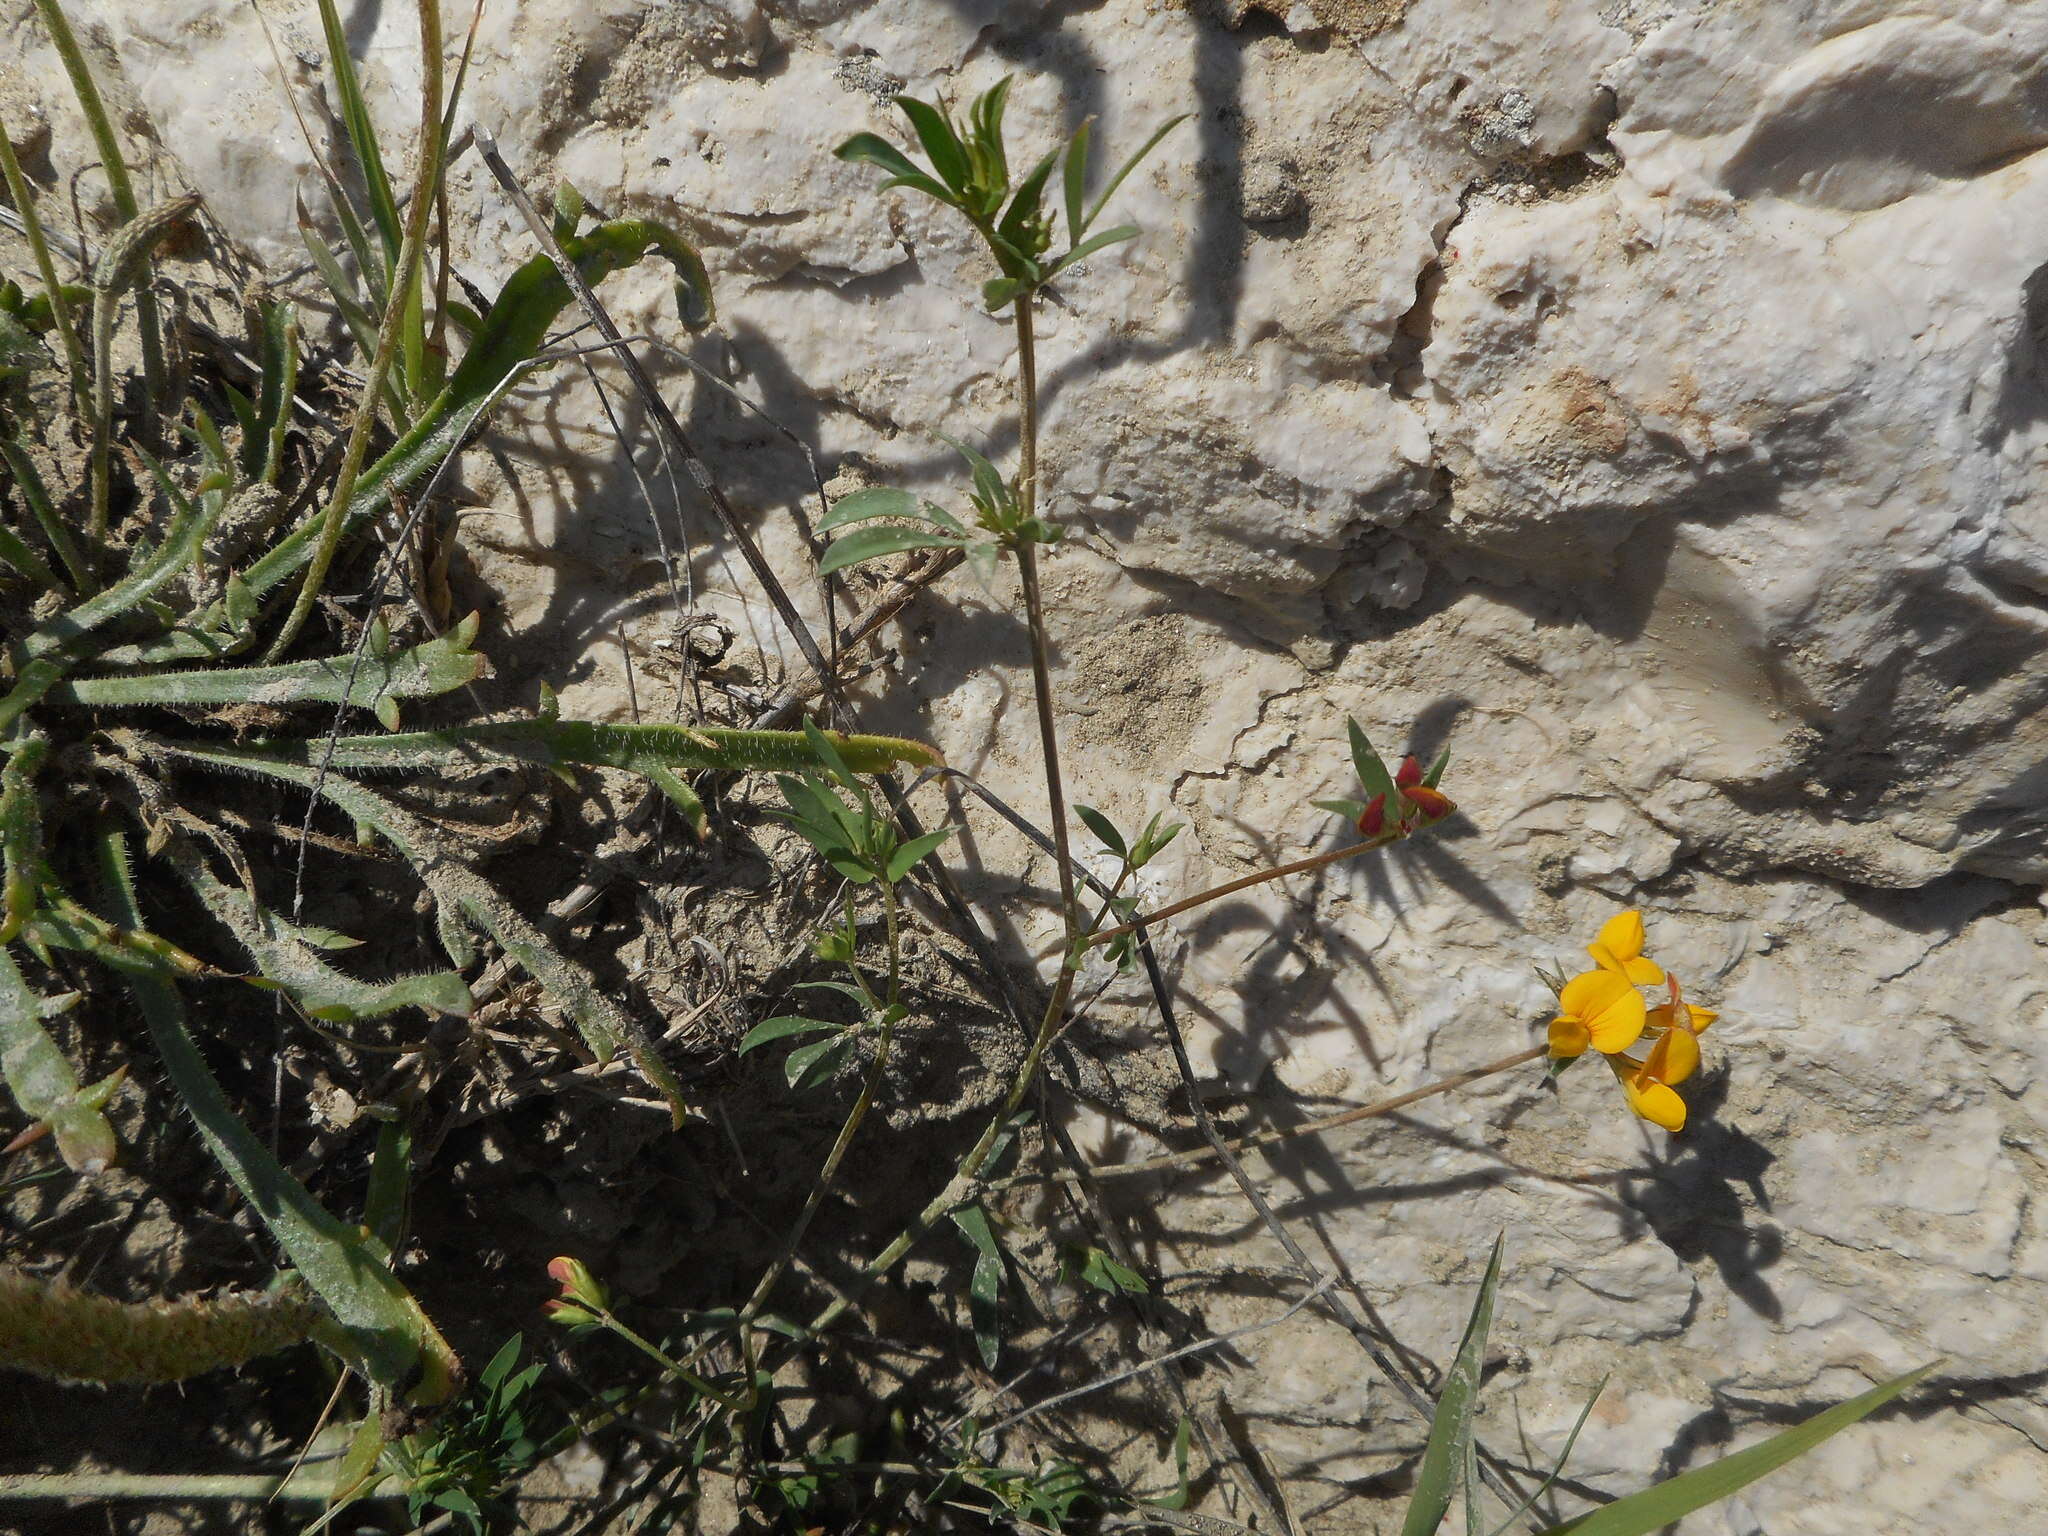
1095,243
1658,1506
986,115
985,1287
1450,1432
1178,1499
809,1066
1155,839
1131,165
1105,832
457,889
781,1028
362,133
941,143
815,810
989,484
50,652
873,149
553,743
1350,810
1372,773
423,671
680,795
1556,1468
401,1349
827,752
510,337
1436,769
287,961
1075,179
29,481
390,1177
907,857
27,561
1019,220
21,834
280,382
335,282
874,542
878,501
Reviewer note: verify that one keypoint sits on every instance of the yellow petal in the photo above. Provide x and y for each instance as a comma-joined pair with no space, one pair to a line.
1608,1006
1674,1058
1589,992
1622,935
1701,1018
1569,1037
1643,973
1655,1103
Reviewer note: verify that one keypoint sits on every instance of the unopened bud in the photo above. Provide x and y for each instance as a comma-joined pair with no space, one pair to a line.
1408,774
582,1298
1434,804
1373,817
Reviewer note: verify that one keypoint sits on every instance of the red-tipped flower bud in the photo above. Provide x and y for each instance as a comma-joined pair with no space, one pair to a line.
582,1296
1433,804
1408,774
1373,817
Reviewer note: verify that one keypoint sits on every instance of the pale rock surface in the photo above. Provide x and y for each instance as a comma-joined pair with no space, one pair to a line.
1648,400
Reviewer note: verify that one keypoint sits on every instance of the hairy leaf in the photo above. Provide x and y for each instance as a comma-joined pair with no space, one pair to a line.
420,672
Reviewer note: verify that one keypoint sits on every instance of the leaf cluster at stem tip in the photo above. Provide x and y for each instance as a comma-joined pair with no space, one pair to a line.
970,171
856,840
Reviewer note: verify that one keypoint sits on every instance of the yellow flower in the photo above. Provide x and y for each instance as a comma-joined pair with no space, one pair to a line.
1601,1009
1620,949
1673,1058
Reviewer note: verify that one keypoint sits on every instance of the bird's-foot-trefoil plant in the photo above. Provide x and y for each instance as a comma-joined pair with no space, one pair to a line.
966,169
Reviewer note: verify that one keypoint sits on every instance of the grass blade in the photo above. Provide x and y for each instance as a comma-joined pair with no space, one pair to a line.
362,133
1656,1507
1450,1432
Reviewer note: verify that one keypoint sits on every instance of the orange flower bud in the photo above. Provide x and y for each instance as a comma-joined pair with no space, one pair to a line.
1408,774
1434,804
1373,817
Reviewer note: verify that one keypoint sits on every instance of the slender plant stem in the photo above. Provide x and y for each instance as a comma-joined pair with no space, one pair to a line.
1055,791
969,1170
679,1372
397,307
176,1487
1217,892
1034,610
1287,1132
